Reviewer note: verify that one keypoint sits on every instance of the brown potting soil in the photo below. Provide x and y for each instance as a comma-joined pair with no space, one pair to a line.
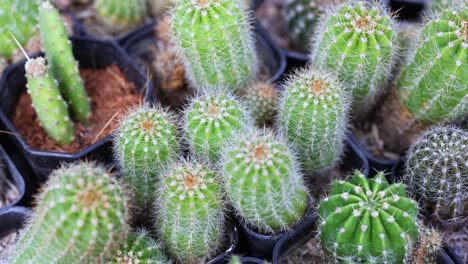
111,96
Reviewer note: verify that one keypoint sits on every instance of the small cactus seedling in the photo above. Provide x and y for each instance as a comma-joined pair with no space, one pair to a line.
356,41
18,17
210,122
368,221
260,100
263,182
146,142
433,87
430,242
190,212
312,116
140,248
437,171
81,217
120,16
49,105
62,63
216,42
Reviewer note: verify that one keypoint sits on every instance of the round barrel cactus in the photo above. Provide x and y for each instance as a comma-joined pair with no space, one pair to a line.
368,221
120,16
260,100
437,171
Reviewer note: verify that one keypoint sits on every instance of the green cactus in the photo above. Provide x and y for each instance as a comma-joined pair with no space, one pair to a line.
18,17
49,105
159,7
368,221
210,122
216,42
356,41
62,63
260,99
263,182
313,117
433,85
190,214
437,171
120,16
140,248
235,260
145,143
81,216
430,243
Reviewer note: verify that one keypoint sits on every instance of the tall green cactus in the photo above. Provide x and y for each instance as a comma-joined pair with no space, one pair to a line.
190,215
49,105
313,117
81,217
368,221
433,87
120,16
263,182
356,41
18,17
437,171
216,42
62,63
146,142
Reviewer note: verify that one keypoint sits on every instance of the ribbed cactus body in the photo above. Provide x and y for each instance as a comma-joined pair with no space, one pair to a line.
190,212
263,182
368,221
438,171
140,248
81,217
146,142
18,17
312,116
119,15
210,122
62,63
215,41
49,105
260,100
356,41
433,87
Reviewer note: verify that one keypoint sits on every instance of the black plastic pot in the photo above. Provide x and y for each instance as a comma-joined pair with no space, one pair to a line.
13,176
354,158
409,10
226,255
251,260
91,54
13,219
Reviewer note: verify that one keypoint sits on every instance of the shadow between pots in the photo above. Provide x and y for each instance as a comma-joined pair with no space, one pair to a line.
13,219
13,178
224,257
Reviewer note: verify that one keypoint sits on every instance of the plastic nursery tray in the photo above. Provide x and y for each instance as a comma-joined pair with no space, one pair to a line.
91,54
13,176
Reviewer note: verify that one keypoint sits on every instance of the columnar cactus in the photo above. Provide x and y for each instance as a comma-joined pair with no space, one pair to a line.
216,42
356,41
190,214
433,87
62,63
313,117
210,122
81,217
49,105
120,16
368,221
146,142
18,17
263,182
260,99
437,171
140,248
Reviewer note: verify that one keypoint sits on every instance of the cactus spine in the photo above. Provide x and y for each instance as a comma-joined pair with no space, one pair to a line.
81,217
62,63
49,105
260,99
146,142
263,182
437,170
210,122
216,42
356,42
190,214
120,16
312,116
433,85
368,220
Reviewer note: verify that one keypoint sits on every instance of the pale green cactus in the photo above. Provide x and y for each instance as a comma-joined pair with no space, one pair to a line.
120,16
260,100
